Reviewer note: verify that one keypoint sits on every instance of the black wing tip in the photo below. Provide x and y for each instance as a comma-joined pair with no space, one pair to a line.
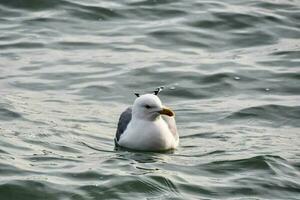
158,90
155,92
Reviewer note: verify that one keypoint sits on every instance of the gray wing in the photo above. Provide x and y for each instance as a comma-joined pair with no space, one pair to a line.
124,120
171,124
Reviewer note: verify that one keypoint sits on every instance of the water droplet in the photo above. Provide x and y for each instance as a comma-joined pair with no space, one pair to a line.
267,89
237,78
16,58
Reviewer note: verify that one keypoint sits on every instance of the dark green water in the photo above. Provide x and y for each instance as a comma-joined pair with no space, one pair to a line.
231,70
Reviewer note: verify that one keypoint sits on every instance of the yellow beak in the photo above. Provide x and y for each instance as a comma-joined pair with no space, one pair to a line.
167,111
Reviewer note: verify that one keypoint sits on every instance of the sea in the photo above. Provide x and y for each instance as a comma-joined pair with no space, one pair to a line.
230,71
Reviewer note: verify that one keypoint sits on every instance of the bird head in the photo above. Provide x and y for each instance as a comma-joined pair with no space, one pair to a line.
149,107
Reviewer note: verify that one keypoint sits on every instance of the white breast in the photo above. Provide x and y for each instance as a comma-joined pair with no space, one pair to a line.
148,135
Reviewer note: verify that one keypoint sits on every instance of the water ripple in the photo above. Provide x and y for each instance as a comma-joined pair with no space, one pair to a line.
230,72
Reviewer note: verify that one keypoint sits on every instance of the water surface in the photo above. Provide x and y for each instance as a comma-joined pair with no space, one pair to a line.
230,71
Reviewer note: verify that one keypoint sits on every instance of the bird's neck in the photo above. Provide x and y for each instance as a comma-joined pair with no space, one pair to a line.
150,119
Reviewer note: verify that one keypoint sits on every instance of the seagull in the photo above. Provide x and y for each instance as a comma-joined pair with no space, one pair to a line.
147,125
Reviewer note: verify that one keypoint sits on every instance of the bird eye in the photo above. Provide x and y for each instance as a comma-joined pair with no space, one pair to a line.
147,106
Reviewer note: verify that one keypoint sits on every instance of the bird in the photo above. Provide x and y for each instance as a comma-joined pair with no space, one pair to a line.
147,125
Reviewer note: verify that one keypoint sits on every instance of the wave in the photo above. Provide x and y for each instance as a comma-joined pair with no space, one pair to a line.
7,115
282,115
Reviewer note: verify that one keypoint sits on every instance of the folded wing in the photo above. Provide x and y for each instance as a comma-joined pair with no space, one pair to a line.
124,120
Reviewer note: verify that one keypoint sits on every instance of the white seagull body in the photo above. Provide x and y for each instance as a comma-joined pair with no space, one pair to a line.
147,126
